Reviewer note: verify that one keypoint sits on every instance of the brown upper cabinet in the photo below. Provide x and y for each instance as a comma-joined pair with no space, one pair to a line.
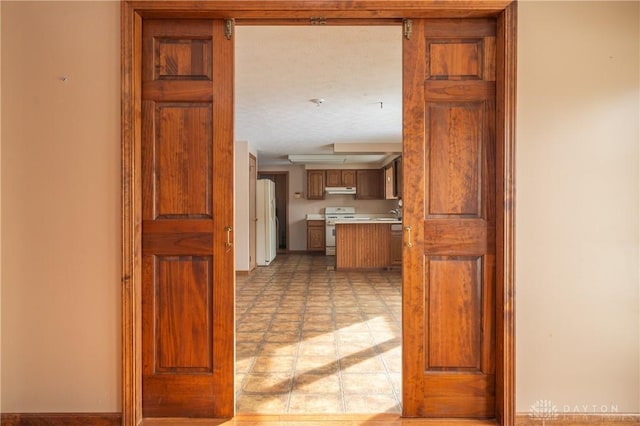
315,184
390,181
397,169
393,179
369,184
340,178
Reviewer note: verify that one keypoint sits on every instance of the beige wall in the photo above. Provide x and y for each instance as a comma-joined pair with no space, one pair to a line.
0,210
577,259
577,218
61,206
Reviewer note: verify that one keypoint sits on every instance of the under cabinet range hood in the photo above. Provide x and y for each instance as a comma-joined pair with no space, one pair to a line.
340,190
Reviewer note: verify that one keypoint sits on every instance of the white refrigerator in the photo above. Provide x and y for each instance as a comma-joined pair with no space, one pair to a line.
266,226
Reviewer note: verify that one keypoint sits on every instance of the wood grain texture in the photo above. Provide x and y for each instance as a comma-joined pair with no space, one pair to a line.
177,59
451,295
370,184
363,246
454,61
316,235
315,184
413,267
131,87
340,177
465,237
455,148
506,70
454,303
183,291
180,154
187,188
274,9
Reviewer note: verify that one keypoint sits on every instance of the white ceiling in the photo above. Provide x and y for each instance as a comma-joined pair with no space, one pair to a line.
279,69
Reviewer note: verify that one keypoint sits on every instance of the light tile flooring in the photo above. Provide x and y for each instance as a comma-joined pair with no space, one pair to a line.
311,340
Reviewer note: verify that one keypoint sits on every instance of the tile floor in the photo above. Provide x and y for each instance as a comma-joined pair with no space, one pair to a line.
311,340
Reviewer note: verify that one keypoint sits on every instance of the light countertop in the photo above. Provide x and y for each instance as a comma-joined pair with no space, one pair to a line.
378,220
360,218
311,216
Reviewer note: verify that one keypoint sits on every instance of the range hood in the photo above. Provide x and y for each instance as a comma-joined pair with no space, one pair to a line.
340,190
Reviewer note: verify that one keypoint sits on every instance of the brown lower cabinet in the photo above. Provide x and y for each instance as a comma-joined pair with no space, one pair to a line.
367,246
396,245
315,235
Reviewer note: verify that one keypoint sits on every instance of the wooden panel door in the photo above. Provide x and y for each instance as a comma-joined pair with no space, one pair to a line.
187,212
449,205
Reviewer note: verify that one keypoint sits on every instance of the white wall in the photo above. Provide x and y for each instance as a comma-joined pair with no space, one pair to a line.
577,205
300,207
577,231
241,199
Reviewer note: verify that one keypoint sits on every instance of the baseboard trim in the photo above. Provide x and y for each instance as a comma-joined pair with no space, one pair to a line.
115,419
61,419
579,419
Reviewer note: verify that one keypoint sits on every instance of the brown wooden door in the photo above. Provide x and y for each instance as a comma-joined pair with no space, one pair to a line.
187,207
449,203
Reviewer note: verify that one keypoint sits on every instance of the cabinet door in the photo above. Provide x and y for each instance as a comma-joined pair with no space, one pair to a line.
315,236
396,247
348,177
369,184
315,184
397,169
333,178
389,182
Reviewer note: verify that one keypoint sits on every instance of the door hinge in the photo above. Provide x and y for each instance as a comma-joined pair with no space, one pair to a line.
228,28
408,28
318,20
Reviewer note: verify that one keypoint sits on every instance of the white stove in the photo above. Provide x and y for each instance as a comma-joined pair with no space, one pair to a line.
331,215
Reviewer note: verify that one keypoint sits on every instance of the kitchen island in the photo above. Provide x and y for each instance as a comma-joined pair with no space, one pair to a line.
367,244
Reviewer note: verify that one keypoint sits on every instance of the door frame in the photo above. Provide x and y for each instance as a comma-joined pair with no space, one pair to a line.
279,11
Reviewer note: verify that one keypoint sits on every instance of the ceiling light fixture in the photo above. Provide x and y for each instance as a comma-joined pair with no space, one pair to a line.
316,158
317,101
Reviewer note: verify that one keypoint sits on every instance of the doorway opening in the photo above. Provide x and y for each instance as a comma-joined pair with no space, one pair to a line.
281,180
310,339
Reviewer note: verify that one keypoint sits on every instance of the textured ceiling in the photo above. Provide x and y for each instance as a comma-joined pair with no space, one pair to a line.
279,69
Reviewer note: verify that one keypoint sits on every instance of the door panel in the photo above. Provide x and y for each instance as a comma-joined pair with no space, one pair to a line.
187,199
449,181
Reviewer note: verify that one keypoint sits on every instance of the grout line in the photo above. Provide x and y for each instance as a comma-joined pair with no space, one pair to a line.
279,281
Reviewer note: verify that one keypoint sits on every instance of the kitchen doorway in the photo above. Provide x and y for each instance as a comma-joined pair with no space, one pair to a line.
309,339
